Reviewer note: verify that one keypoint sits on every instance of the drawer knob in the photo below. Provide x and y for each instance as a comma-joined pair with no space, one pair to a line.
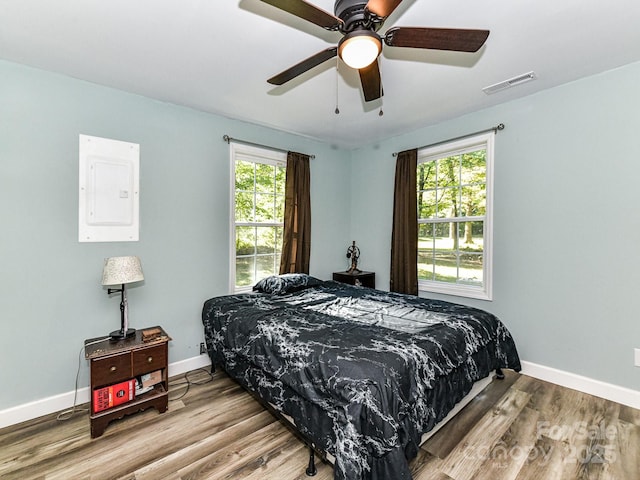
113,368
150,359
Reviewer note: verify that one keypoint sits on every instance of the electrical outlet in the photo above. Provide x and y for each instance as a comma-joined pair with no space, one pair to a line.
203,349
637,357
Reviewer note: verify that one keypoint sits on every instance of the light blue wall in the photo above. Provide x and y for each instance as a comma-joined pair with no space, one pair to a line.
567,220
50,293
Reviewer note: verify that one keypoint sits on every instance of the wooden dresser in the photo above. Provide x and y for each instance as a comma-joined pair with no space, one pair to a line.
115,362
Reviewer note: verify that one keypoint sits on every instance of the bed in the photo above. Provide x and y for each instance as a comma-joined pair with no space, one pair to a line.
362,374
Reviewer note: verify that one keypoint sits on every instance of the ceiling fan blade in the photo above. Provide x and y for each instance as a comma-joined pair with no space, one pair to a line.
308,12
459,40
303,66
371,83
382,8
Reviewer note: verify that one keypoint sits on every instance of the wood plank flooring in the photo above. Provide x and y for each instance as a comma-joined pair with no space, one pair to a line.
516,429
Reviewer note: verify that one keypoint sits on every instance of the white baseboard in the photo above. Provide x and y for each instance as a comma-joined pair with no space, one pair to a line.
608,391
57,403
193,363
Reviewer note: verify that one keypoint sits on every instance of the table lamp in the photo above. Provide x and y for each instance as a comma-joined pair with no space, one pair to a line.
120,271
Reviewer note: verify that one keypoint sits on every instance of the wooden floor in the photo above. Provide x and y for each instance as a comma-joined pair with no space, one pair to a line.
519,428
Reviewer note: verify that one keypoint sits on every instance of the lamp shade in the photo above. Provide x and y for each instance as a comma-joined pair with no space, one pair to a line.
359,48
120,270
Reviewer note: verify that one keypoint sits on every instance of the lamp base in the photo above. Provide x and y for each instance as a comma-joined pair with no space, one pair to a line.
121,334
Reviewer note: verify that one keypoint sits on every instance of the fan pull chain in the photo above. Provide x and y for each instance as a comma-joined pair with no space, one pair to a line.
380,113
337,110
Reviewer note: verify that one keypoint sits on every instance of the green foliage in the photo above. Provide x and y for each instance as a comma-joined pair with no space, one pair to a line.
452,187
259,207
259,192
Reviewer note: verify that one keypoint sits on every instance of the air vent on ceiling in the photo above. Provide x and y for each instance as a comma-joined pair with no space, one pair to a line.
512,82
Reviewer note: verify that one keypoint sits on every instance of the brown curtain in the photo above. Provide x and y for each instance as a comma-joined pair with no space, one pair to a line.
404,236
296,241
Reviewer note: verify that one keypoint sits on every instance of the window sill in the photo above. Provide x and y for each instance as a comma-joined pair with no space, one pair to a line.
466,291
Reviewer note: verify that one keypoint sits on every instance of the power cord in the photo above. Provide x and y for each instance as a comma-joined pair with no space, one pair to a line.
189,382
67,414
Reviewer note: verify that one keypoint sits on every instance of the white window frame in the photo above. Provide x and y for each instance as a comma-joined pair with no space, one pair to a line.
484,291
249,153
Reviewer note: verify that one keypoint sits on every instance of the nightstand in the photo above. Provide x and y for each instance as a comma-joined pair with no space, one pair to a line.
365,279
116,363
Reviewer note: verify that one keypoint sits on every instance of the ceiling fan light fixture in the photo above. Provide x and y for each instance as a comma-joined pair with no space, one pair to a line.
360,48
359,21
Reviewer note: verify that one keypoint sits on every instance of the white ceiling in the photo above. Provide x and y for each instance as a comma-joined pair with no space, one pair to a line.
215,56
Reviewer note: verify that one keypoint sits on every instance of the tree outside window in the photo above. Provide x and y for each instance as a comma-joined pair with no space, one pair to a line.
454,217
258,213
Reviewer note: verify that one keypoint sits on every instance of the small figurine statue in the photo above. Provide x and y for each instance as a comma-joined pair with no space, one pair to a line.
353,253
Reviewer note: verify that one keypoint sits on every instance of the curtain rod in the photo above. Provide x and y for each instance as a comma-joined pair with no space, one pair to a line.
229,139
495,129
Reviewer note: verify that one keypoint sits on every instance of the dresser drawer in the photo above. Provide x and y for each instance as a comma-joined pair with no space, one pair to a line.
110,370
149,359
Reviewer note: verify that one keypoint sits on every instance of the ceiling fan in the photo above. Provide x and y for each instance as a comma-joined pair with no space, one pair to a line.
358,21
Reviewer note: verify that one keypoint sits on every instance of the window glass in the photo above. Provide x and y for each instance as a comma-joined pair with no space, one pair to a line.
454,184
258,180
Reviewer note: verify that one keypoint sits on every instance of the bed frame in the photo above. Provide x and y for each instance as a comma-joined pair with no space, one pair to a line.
326,457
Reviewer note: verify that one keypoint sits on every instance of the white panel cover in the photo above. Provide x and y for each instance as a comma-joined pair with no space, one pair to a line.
109,190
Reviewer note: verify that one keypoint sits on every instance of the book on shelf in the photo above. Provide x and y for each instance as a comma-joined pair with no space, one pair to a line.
113,395
146,382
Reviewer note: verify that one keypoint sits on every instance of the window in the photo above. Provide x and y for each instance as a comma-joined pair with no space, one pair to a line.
454,182
257,204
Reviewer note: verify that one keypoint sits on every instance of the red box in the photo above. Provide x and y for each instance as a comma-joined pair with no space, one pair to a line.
113,395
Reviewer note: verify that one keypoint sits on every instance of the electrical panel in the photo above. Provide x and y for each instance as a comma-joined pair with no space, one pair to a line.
109,190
